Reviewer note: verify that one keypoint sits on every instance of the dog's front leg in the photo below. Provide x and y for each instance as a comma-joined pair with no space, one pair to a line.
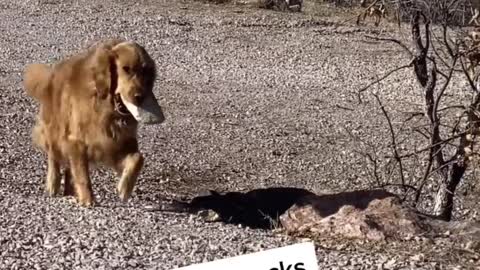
80,175
130,168
53,176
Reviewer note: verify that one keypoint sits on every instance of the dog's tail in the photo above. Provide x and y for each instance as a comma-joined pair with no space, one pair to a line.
35,80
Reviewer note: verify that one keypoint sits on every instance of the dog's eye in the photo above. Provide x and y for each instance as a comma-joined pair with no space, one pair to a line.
126,69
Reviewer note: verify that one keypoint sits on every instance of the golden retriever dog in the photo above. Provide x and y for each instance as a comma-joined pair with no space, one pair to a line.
90,106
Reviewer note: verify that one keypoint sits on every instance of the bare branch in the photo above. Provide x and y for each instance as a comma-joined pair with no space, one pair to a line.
396,41
423,133
457,123
403,186
451,107
475,17
439,56
413,115
430,103
428,173
394,143
447,43
445,85
420,61
467,75
375,167
432,146
338,106
381,79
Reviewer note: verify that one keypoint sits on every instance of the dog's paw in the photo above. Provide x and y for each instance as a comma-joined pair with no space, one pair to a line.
52,189
124,191
124,194
85,201
74,201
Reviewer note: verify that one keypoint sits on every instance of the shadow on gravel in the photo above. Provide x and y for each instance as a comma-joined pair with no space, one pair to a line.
261,208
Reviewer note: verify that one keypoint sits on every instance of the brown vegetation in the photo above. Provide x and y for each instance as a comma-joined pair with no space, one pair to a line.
375,10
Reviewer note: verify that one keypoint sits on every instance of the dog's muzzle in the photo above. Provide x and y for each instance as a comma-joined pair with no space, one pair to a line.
148,113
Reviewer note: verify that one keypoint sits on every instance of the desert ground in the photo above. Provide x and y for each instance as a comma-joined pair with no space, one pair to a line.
253,98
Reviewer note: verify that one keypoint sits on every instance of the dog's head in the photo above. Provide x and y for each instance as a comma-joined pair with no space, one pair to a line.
125,71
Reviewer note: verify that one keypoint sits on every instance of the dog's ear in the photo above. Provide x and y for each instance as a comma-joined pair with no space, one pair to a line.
103,70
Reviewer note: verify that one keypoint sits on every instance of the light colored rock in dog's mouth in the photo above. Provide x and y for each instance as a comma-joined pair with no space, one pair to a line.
148,113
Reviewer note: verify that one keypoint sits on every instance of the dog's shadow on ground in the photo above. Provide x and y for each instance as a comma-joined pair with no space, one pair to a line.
261,208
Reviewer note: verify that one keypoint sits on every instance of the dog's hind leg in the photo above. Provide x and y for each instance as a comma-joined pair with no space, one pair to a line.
53,176
130,168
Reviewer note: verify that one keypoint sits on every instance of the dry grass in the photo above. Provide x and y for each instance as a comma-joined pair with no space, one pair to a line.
215,1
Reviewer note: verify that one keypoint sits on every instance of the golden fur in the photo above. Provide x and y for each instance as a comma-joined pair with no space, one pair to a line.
83,119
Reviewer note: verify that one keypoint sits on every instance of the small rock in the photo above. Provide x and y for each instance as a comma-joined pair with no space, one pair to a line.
390,264
418,257
209,215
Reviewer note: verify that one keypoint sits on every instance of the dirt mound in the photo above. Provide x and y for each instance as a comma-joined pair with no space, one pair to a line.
364,214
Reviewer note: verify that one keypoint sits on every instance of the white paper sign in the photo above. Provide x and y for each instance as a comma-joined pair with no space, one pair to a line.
294,257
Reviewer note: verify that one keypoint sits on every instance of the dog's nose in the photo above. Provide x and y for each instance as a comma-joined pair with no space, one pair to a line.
138,99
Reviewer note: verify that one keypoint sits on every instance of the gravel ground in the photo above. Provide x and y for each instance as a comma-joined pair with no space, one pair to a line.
252,98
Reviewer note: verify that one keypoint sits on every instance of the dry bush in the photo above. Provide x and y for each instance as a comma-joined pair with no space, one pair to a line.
215,1
342,3
453,12
281,5
456,12
450,127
